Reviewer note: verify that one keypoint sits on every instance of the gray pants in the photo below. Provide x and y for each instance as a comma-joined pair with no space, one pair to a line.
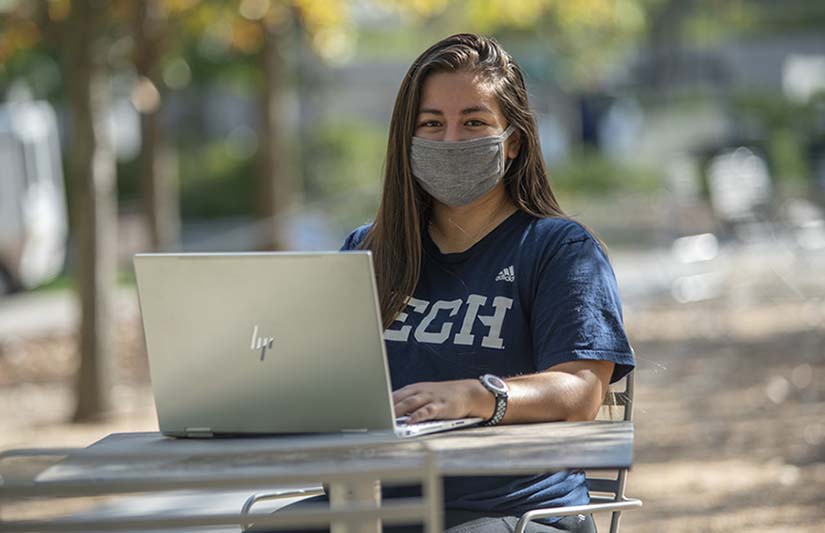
461,521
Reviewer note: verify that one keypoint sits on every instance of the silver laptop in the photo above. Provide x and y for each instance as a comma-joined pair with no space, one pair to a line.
268,343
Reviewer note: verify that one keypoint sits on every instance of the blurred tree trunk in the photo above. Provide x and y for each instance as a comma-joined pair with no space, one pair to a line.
94,207
158,164
276,188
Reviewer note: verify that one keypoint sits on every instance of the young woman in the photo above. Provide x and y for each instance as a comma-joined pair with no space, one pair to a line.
480,273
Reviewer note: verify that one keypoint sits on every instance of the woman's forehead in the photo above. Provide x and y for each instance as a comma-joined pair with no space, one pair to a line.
456,91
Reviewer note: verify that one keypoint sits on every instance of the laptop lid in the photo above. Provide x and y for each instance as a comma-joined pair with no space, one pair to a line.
264,342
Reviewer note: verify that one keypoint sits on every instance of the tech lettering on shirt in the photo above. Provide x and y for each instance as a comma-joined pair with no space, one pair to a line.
424,332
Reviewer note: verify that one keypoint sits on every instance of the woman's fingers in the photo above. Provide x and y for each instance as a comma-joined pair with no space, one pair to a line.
430,401
406,392
411,403
427,412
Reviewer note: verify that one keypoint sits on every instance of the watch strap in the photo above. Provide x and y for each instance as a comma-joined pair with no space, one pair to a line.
501,404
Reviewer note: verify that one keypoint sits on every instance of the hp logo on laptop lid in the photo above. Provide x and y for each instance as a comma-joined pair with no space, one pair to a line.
260,343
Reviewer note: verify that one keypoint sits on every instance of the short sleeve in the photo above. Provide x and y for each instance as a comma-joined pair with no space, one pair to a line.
354,239
576,312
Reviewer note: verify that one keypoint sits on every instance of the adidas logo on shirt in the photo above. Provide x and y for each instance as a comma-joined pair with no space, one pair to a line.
508,274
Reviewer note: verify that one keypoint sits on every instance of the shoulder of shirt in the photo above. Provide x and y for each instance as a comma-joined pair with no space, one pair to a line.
558,231
356,236
550,238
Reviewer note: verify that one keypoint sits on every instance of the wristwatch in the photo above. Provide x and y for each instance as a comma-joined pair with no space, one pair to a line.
500,390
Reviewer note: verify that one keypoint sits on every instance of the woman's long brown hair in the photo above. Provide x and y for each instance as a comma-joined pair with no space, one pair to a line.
395,235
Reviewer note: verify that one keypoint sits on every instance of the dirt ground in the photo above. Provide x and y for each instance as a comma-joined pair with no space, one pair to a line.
730,404
730,432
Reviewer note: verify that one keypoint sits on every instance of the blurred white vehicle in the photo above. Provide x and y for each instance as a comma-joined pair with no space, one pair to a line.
33,218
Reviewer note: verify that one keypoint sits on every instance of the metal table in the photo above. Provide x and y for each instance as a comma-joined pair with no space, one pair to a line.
355,465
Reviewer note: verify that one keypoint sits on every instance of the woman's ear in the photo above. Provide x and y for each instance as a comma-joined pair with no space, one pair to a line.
513,145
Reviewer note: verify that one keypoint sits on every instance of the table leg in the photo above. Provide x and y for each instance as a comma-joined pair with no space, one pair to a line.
364,492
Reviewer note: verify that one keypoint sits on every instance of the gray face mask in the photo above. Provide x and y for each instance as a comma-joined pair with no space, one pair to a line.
459,172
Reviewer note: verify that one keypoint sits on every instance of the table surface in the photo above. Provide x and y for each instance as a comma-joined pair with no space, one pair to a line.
498,450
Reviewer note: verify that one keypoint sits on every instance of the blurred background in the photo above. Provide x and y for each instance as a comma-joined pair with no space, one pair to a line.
689,133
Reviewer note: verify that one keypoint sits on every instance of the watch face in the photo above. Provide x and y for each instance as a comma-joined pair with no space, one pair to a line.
496,383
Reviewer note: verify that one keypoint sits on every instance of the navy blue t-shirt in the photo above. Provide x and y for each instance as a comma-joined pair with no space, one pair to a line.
531,294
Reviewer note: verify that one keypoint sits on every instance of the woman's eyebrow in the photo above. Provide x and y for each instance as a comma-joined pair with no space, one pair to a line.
467,111
476,109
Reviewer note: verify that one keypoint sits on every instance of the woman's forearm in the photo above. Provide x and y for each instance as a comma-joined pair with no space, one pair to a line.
570,391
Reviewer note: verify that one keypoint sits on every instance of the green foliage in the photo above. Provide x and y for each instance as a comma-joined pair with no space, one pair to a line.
38,68
785,150
771,110
343,169
587,172
214,184
128,181
66,281
344,154
786,127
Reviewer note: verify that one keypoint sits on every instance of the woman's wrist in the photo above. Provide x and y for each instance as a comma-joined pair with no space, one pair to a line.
482,401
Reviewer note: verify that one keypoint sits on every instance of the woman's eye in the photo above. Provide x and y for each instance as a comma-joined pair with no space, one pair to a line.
474,122
429,124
